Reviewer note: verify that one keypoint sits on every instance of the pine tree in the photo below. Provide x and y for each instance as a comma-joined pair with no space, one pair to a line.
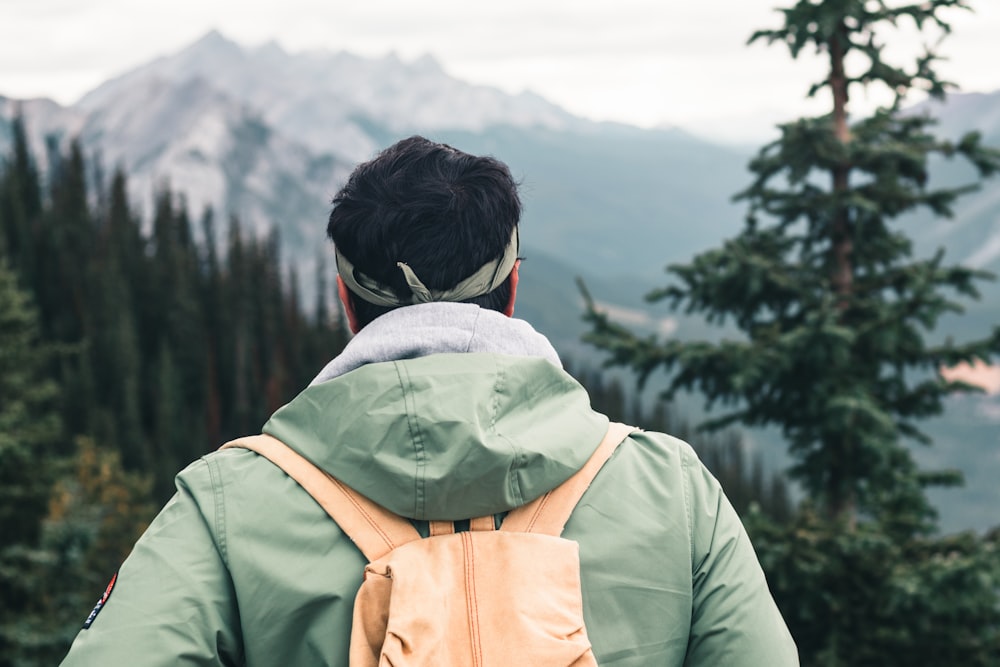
116,269
29,434
67,239
20,205
835,314
213,309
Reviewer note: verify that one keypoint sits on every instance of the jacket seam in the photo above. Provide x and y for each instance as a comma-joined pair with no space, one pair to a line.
518,455
419,451
215,477
685,472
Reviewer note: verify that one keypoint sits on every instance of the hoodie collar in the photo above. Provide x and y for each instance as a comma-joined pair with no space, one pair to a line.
438,328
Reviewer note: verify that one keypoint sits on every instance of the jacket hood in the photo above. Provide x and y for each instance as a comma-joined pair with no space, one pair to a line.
447,435
433,328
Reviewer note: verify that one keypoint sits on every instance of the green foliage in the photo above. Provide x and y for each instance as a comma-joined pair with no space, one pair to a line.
859,596
29,424
167,349
850,28
834,314
20,203
29,432
96,512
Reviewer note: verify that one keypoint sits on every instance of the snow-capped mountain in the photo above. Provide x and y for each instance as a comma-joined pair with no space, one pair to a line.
269,136
262,134
329,101
48,122
212,148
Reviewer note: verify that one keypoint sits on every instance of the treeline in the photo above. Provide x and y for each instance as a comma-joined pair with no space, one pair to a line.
126,351
167,347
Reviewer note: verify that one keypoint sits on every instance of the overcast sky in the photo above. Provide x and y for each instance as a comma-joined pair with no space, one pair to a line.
645,62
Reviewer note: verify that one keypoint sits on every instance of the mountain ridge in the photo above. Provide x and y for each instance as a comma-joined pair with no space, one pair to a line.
268,135
298,92
136,121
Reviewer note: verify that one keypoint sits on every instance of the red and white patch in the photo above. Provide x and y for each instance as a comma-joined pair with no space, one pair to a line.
100,603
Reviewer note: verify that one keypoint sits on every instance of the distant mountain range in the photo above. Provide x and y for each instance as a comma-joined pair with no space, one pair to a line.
269,136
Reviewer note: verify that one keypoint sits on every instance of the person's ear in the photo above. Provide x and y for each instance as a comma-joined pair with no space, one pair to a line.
509,310
345,298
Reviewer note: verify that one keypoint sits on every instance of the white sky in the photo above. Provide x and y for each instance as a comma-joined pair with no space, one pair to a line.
644,62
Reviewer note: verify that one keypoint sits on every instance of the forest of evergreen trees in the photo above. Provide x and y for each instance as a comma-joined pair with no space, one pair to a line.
161,346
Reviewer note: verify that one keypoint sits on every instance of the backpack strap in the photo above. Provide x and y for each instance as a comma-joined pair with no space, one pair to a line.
436,528
374,529
549,513
482,523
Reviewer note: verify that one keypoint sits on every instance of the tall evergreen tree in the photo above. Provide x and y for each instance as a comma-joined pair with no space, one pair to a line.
833,307
835,314
237,380
116,269
20,205
213,304
125,264
67,239
29,433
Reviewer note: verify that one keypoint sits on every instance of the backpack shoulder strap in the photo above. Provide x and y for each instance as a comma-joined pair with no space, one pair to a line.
549,513
374,529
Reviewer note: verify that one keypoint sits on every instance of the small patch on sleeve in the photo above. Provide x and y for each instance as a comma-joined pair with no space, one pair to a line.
100,603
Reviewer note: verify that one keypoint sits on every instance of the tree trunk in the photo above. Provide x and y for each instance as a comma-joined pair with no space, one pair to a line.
841,496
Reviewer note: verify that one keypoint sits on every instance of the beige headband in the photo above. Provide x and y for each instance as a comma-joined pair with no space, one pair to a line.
489,276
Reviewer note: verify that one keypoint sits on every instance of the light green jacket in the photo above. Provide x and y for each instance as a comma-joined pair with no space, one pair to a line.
243,568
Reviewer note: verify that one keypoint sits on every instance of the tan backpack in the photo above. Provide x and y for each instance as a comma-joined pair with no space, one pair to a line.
484,597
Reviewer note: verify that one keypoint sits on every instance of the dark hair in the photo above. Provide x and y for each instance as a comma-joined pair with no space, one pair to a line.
444,212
